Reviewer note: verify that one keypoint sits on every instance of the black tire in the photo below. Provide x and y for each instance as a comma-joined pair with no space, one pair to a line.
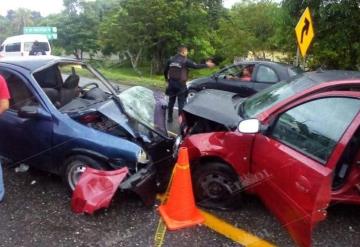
74,167
216,186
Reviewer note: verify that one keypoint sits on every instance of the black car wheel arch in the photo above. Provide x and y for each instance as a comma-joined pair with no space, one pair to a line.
216,186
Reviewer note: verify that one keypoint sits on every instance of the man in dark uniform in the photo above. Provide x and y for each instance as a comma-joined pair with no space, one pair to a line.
176,74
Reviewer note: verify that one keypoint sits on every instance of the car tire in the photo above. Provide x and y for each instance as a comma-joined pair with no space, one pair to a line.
217,186
75,166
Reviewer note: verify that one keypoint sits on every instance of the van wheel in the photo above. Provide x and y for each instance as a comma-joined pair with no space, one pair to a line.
75,166
216,186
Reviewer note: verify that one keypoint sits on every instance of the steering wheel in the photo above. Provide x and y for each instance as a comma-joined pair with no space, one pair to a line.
229,76
87,87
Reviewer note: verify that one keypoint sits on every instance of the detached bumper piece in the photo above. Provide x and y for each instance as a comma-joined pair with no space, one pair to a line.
95,189
143,183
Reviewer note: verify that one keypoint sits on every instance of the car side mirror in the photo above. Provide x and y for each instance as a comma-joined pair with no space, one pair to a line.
249,126
33,112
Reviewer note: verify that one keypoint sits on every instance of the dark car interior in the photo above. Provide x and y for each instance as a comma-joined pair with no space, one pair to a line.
67,94
348,161
60,93
20,94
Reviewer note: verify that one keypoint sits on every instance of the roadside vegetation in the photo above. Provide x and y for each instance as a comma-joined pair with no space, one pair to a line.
130,40
127,76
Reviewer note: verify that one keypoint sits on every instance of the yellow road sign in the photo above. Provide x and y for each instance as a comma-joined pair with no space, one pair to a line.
304,31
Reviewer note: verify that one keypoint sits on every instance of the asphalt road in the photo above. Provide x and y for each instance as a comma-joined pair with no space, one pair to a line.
36,212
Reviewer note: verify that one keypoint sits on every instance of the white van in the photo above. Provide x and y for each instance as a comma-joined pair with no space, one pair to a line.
21,45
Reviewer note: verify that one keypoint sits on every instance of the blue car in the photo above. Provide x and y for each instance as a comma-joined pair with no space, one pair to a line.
64,115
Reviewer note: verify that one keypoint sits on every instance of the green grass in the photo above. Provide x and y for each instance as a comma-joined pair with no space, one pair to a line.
128,76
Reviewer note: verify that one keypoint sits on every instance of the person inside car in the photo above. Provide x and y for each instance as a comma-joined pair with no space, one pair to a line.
246,74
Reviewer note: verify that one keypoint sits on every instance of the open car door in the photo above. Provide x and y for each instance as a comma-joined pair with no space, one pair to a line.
295,155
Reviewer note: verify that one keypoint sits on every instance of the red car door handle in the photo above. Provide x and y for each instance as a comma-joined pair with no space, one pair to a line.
303,184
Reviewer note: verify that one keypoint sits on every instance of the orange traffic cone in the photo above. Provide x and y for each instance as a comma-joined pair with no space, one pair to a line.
180,210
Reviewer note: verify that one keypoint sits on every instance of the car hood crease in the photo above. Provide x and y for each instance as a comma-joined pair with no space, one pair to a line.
214,105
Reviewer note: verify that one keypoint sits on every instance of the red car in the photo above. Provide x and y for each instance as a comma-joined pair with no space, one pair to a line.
295,145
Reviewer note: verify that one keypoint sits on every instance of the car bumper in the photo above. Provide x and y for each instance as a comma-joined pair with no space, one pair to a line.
143,183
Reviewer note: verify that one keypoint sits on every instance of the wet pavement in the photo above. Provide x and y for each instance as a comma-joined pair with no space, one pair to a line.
36,212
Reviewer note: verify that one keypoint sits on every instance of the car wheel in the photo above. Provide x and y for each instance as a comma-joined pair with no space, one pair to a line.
75,166
216,186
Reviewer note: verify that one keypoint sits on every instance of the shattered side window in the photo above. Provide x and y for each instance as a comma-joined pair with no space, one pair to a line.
314,128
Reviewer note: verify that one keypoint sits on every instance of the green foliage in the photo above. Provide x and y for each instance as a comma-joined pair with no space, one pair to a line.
337,42
157,27
13,23
147,32
249,26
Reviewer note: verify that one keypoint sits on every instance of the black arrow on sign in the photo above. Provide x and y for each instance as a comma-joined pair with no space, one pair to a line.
305,29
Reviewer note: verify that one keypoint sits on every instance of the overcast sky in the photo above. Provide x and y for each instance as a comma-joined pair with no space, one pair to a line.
47,7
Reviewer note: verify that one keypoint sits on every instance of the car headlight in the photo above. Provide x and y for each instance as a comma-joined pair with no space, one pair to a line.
188,84
142,157
176,146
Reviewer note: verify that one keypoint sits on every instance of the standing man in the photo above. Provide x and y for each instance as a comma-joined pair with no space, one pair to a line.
4,105
176,74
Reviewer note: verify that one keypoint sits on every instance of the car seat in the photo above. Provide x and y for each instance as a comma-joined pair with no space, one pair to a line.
50,81
69,90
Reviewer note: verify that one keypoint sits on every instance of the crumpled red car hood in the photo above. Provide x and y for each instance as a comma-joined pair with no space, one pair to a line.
95,189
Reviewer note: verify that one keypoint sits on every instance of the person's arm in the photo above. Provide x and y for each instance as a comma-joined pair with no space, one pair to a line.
191,64
4,95
4,105
166,71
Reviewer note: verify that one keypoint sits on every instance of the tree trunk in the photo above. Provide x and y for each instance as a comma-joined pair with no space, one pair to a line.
135,60
76,54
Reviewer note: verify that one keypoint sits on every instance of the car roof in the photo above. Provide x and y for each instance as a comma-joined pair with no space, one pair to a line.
322,76
263,62
26,38
33,63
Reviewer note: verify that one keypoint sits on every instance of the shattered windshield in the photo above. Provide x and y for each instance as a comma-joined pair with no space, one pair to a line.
146,106
265,99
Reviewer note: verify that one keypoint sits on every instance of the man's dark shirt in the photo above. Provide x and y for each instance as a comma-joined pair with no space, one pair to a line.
181,65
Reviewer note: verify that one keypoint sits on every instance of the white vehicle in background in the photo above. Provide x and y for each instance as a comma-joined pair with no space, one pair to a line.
21,45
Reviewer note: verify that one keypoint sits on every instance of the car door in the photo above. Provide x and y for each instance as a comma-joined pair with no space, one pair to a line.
24,139
295,156
229,80
264,76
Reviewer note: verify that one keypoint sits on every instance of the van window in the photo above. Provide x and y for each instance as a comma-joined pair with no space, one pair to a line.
14,47
28,45
1,48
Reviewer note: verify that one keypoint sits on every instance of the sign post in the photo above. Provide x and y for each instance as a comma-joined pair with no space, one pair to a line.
49,32
304,32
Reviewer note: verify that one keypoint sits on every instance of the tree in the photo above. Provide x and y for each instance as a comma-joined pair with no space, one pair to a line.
249,26
336,43
77,27
154,28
